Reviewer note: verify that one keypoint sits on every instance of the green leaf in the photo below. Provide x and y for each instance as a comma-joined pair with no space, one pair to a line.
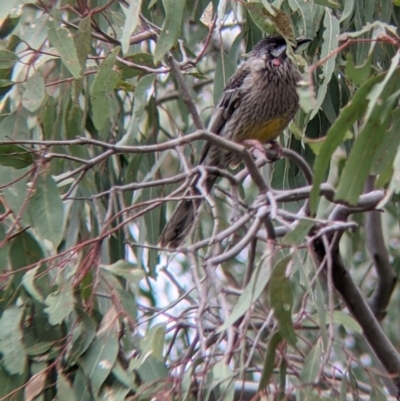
306,96
29,285
336,134
15,156
11,347
358,74
144,59
312,364
60,304
141,96
38,348
6,7
83,41
36,32
131,21
385,154
11,384
269,19
152,220
281,300
171,28
377,395
48,118
329,45
37,381
297,236
46,211
64,388
125,376
269,362
338,317
5,83
14,126
378,27
153,342
328,3
73,121
224,376
24,251
102,88
62,39
81,336
367,143
100,358
114,392
128,302
7,59
224,69
5,247
152,370
306,16
376,93
34,93
251,293
125,269
347,11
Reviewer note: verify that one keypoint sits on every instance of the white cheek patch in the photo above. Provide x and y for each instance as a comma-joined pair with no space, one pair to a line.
259,64
277,52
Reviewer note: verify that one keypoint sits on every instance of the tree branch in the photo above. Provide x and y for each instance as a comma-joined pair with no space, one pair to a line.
351,294
379,254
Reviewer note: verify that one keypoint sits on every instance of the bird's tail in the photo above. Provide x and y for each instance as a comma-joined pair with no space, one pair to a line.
182,219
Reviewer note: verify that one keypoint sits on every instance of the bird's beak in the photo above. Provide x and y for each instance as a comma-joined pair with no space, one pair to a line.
301,41
277,52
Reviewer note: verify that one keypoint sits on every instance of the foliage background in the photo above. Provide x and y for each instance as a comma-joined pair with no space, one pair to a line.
97,100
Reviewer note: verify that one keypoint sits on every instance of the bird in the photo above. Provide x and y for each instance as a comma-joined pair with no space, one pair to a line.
256,105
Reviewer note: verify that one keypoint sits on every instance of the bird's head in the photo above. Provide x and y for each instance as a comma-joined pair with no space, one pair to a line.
273,49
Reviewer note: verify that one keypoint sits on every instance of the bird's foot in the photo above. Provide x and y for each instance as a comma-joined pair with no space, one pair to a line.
255,147
274,152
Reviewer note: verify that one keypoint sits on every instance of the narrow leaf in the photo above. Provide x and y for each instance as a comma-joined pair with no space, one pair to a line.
368,142
347,11
61,38
336,134
28,283
11,347
269,362
126,270
131,21
329,45
35,386
83,41
64,389
34,93
224,69
6,7
297,236
46,211
15,156
60,304
328,3
312,365
7,59
251,293
171,28
102,88
281,299
100,358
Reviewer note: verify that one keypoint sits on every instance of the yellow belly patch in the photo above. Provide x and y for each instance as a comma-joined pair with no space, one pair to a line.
269,131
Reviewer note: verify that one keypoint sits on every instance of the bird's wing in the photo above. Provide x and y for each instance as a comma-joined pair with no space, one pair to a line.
227,104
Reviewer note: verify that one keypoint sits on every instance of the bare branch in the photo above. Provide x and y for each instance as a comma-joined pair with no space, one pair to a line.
377,249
